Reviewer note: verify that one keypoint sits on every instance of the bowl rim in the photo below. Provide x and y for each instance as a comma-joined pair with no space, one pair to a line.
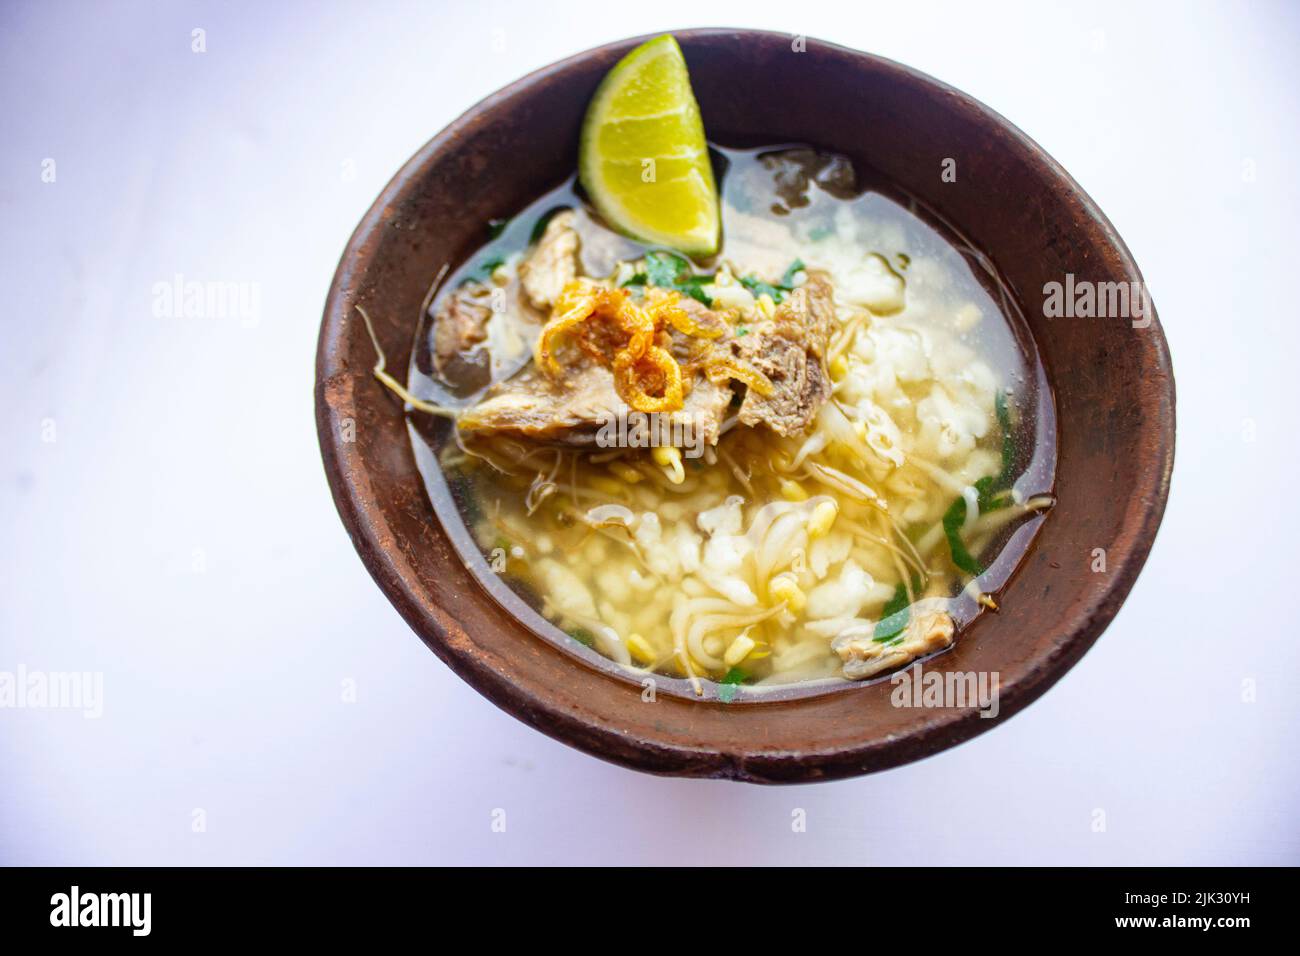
374,541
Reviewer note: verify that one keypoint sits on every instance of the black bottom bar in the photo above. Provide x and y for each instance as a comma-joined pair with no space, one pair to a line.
239,905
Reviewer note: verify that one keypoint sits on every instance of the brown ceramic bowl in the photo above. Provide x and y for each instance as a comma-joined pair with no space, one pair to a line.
1112,383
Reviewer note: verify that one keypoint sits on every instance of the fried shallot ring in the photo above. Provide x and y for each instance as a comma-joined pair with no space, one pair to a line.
575,304
724,367
636,378
646,376
579,302
663,307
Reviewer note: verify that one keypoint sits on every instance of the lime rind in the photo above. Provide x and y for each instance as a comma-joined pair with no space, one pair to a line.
644,110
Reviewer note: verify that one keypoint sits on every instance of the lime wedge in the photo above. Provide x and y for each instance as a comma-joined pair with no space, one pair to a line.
643,159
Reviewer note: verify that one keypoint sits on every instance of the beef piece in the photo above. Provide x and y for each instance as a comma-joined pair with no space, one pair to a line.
689,348
929,629
553,264
703,316
789,349
571,411
801,388
795,170
460,324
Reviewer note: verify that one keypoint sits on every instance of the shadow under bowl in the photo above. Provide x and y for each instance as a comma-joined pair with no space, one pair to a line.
1110,378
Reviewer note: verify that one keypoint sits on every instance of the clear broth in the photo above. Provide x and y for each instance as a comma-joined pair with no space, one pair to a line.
945,278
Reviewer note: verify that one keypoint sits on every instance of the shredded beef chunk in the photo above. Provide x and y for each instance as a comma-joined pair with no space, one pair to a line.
789,349
460,324
553,264
572,411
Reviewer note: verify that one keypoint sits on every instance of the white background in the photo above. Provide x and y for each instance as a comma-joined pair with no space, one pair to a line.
178,534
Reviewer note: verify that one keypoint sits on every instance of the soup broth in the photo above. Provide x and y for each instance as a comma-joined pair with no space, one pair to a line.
746,556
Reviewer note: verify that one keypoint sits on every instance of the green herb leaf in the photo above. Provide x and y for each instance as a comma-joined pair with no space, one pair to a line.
539,227
496,227
895,614
694,287
778,292
671,271
991,497
663,268
483,271
953,519
758,287
582,636
993,489
730,683
992,492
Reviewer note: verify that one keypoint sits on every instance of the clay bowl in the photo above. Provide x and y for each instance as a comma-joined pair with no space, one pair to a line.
1112,384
